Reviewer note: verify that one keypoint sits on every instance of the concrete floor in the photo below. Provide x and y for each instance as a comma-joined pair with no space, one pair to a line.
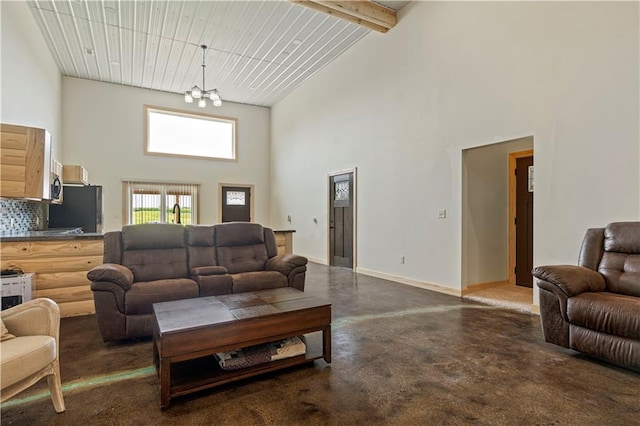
401,355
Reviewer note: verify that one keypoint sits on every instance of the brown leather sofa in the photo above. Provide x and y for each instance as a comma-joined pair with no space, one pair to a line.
594,308
151,263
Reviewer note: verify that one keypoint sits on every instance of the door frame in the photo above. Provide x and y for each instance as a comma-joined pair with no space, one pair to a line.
353,170
251,188
513,157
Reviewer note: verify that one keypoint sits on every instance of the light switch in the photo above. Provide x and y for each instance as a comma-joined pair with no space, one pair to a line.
442,214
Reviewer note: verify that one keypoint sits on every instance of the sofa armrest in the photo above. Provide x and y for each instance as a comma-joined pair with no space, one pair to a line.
37,317
111,272
203,271
569,279
285,263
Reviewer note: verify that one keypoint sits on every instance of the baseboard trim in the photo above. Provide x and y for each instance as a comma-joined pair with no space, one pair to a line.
535,309
479,286
317,260
409,281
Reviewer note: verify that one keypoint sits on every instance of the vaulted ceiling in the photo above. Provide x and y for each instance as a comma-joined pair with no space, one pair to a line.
258,51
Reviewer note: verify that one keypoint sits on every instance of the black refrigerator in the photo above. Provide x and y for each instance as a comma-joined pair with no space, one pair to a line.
81,207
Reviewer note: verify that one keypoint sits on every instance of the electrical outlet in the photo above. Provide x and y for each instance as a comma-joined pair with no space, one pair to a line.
402,260
442,214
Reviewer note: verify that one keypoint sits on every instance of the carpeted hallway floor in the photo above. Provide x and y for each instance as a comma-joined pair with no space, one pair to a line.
401,355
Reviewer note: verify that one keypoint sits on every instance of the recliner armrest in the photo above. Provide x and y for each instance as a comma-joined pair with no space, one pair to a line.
285,263
571,280
112,272
204,271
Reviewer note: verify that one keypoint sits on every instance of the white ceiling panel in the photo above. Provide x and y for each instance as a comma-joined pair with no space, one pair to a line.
258,51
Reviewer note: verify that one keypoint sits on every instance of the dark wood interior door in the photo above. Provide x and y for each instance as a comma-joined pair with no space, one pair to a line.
524,221
341,220
236,204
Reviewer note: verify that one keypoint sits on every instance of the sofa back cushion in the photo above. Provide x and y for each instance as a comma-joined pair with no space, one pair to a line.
154,251
240,246
200,248
620,263
112,247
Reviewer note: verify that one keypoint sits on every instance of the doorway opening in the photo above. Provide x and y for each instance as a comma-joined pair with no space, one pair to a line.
489,249
341,232
235,202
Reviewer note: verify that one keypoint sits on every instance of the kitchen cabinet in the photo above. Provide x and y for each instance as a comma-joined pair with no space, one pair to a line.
284,241
75,175
25,162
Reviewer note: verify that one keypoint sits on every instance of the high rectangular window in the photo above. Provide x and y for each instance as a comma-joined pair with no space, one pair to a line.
189,134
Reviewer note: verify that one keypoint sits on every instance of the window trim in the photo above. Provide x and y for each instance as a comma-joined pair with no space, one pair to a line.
192,114
126,201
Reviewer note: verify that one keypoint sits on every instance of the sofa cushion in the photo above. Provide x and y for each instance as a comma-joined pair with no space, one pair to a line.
200,249
142,295
606,312
254,281
199,235
622,237
243,258
4,332
25,355
238,234
152,236
621,272
150,265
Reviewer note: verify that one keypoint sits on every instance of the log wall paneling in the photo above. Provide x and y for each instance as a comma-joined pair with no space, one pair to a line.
61,268
284,241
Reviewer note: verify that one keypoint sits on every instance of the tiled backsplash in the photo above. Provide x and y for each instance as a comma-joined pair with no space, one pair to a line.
20,216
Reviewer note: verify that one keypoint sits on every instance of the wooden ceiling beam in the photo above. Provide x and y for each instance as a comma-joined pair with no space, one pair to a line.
366,13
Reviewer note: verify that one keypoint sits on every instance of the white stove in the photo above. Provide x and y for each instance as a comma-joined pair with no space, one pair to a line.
16,289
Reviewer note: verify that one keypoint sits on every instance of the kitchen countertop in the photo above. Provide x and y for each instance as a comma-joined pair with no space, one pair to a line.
55,234
60,234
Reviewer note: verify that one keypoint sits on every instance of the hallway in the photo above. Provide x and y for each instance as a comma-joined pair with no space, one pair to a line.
504,295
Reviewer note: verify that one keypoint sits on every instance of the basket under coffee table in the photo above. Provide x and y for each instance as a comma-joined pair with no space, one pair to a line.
187,334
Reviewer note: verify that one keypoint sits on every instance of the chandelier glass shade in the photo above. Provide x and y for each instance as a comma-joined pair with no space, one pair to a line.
201,95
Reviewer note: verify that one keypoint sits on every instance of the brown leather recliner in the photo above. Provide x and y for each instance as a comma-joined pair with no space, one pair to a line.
151,263
594,308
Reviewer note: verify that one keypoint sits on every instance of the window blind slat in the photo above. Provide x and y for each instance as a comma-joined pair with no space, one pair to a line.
154,202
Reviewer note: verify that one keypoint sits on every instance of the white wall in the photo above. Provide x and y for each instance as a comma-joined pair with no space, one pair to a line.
402,106
30,79
103,127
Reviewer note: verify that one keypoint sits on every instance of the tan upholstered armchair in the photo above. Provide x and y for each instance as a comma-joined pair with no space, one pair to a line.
29,349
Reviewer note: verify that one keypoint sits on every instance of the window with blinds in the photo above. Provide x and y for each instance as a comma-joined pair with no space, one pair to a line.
158,202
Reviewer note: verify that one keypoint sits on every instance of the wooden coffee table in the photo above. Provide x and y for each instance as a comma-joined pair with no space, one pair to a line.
189,332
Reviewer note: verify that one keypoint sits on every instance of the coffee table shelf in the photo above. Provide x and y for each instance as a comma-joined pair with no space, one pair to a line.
204,373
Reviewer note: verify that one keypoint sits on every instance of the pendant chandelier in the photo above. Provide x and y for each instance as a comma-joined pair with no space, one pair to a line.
201,95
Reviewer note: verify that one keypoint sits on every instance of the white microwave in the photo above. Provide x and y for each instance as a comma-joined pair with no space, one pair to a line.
56,188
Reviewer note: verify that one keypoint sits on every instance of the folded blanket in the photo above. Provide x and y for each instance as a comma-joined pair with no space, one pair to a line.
259,354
